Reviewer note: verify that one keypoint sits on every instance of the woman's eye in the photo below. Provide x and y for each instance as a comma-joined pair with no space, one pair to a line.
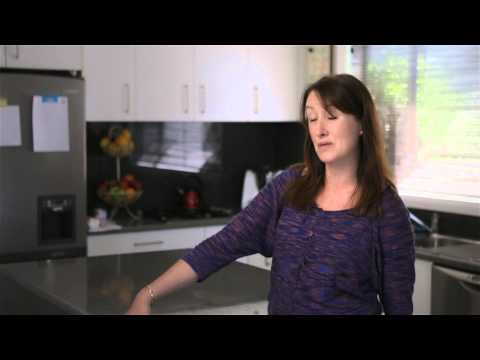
332,117
312,120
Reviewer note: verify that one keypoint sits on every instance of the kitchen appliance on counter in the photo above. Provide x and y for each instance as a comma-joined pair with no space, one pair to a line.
42,188
254,181
190,200
250,188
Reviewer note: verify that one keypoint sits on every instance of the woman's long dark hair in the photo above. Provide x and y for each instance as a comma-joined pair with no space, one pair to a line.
350,96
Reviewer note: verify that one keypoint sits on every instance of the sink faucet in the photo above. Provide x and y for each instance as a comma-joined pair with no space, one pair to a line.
434,224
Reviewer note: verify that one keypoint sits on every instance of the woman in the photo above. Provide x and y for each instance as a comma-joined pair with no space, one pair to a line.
338,233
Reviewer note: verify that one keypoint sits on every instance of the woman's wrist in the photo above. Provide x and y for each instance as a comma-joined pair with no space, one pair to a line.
148,294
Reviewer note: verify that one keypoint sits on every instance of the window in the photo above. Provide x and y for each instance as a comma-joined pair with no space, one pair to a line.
428,97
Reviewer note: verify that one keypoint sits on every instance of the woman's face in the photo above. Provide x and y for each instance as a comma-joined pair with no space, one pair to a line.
335,135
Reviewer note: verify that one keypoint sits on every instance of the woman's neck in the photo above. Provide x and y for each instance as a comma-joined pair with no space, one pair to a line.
340,176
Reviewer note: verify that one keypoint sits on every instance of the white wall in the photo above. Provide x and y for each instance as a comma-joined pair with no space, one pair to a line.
341,59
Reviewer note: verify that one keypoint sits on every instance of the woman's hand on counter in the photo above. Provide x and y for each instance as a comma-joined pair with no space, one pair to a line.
177,276
140,305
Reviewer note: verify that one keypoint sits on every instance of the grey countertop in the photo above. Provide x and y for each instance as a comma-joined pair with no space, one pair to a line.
106,285
152,224
463,257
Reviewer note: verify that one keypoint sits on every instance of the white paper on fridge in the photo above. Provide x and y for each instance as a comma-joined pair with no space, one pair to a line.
50,123
10,134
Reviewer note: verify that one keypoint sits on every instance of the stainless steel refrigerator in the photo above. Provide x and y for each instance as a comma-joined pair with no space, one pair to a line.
42,193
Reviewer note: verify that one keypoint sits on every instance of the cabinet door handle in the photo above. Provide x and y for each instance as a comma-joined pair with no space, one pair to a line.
202,99
185,99
255,99
126,88
10,53
150,243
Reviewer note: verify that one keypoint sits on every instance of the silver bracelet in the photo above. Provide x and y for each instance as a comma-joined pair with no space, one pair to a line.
150,292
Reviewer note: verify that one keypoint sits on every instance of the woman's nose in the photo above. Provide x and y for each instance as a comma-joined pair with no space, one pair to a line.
321,130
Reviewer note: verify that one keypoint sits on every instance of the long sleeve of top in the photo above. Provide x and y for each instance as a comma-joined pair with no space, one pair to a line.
398,248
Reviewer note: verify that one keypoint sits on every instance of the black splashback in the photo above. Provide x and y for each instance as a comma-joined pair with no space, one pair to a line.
234,148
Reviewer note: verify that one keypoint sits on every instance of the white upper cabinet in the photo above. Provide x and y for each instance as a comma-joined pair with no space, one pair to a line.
221,82
44,57
109,72
273,83
192,83
164,83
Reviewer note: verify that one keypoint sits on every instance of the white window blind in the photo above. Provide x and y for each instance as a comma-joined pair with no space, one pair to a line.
428,97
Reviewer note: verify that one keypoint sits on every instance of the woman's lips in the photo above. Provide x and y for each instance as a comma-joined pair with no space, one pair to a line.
320,146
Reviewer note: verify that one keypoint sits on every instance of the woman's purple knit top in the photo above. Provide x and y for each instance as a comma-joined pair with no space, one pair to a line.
323,262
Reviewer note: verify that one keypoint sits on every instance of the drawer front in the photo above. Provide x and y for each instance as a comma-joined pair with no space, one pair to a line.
107,245
144,241
167,240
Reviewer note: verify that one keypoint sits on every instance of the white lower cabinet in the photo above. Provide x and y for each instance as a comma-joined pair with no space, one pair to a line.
212,230
160,240
2,55
260,261
111,244
144,241
422,292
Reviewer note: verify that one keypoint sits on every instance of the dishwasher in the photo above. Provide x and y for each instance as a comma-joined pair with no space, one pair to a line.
455,292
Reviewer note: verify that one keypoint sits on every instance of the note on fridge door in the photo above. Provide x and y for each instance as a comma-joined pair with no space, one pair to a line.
50,124
10,133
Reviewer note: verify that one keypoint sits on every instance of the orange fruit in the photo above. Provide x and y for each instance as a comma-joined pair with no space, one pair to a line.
113,149
126,134
104,142
131,193
121,141
129,177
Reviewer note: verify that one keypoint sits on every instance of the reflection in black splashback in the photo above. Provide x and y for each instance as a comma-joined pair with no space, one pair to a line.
179,146
210,158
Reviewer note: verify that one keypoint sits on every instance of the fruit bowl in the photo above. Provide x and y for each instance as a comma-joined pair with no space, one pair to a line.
118,142
119,198
120,193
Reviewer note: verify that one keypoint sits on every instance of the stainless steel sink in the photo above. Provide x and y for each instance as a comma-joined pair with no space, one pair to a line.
437,240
